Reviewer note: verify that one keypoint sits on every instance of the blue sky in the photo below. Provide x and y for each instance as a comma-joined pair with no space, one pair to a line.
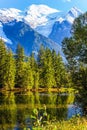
63,5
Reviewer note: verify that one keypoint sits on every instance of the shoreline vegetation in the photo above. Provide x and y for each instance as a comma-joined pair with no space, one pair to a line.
61,90
75,123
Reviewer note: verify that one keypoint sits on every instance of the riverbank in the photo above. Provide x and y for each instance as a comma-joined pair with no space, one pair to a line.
61,90
75,123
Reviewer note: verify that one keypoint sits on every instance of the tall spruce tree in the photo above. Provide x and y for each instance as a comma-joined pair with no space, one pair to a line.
41,58
75,49
9,77
3,54
36,80
28,78
46,68
34,67
19,66
49,69
60,73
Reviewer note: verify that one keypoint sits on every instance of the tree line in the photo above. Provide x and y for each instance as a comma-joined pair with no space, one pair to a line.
48,69
20,71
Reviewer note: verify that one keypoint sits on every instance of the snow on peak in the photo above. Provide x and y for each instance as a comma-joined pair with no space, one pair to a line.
72,14
10,14
61,19
37,14
3,36
42,9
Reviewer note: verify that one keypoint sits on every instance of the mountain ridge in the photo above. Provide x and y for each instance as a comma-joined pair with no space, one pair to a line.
50,31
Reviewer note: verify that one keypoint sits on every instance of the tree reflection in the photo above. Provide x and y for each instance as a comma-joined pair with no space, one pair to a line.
63,100
7,110
81,100
23,109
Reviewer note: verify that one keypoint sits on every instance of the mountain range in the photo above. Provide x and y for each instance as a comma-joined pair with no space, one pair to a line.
38,24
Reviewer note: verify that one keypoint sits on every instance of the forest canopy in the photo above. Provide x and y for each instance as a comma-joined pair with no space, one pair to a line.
20,71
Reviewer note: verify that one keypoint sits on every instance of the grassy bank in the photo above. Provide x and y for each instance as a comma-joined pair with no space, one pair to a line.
76,123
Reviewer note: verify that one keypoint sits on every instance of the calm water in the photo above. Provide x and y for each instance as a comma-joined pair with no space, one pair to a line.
20,110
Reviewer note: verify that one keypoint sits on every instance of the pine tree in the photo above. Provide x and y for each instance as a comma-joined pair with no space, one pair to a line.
40,60
34,67
54,62
49,70
33,62
36,80
19,66
9,77
46,69
28,79
60,70
75,49
3,54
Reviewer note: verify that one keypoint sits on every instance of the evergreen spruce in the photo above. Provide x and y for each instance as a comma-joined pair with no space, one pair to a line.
62,77
20,66
3,54
49,70
46,68
28,79
41,58
9,77
34,67
75,50
36,80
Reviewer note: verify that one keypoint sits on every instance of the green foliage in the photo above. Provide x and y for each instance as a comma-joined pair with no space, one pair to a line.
35,73
60,71
52,69
74,124
7,68
75,49
3,54
46,68
39,116
20,66
28,79
36,80
9,77
80,77
49,79
47,71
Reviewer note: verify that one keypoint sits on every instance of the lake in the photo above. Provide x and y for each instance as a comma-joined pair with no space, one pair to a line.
22,110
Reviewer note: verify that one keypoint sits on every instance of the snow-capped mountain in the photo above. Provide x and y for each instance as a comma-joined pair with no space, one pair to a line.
8,15
62,26
41,18
38,24
20,32
72,14
3,36
38,15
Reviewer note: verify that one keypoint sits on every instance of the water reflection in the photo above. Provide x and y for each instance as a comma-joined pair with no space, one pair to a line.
8,110
81,100
22,110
